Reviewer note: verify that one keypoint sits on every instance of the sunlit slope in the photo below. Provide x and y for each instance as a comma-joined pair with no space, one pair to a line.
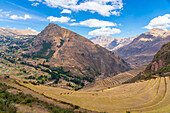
110,82
147,96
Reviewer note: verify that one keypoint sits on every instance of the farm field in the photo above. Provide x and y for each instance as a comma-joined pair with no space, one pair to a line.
146,96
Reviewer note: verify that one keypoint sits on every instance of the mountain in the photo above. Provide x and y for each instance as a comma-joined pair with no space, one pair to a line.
160,64
103,41
118,43
64,48
112,43
13,32
142,49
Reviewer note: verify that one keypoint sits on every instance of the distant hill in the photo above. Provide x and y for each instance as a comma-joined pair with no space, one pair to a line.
13,32
64,48
111,43
142,49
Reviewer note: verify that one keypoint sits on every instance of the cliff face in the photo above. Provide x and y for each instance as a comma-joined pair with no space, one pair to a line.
143,48
65,48
160,64
161,59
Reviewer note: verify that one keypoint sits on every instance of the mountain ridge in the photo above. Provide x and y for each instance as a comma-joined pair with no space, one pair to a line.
142,49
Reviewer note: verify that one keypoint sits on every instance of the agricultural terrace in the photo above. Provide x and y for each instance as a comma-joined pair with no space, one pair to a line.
146,96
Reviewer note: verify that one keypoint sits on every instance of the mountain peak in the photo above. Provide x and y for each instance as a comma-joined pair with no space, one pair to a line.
74,52
156,32
156,29
53,25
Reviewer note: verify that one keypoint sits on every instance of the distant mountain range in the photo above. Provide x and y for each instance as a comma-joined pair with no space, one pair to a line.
138,50
111,43
13,32
143,48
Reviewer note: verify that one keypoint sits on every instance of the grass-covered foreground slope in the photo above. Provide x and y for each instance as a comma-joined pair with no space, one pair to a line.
146,96
17,98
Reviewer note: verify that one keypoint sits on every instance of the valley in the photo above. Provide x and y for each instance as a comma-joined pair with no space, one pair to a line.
67,73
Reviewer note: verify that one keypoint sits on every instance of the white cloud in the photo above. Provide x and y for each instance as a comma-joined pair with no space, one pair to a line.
103,7
95,23
73,20
16,17
162,22
35,4
104,32
4,13
66,11
57,19
29,28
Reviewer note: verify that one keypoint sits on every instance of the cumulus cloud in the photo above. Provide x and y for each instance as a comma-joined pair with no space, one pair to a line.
35,4
58,19
95,23
73,20
16,17
104,31
162,22
103,7
66,11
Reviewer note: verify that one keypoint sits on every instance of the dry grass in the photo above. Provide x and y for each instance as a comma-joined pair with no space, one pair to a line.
113,81
147,96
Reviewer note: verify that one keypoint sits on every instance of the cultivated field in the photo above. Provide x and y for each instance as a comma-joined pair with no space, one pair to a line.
147,96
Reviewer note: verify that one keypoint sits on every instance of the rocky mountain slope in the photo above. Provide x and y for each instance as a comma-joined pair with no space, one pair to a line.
160,64
142,49
111,43
64,48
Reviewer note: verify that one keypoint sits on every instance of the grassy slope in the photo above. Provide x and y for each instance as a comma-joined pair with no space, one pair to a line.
146,96
113,81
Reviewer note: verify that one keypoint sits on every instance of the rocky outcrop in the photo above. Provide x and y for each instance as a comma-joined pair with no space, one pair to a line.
160,63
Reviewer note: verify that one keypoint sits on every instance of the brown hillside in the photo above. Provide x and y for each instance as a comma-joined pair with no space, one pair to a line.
62,47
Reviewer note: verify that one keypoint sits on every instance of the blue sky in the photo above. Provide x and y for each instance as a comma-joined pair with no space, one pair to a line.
115,18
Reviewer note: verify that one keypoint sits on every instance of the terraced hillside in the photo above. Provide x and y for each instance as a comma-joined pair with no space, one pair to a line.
147,96
109,82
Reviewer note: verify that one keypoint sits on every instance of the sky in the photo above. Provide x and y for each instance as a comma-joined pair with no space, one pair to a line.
90,18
